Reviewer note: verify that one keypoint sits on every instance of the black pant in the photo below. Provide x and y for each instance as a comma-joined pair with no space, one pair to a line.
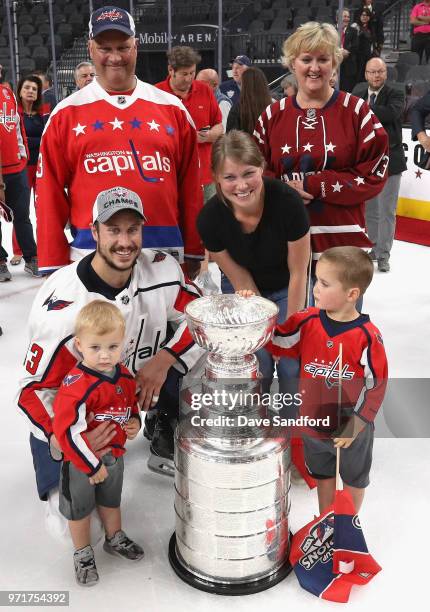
17,196
421,45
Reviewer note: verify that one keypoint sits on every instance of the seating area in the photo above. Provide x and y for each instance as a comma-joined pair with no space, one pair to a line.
34,33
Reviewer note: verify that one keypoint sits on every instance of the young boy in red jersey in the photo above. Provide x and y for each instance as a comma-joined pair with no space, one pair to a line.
314,336
97,389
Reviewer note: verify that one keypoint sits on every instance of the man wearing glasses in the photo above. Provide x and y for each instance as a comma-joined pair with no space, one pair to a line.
387,103
117,129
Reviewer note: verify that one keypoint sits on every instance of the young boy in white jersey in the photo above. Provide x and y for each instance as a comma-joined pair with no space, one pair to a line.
97,389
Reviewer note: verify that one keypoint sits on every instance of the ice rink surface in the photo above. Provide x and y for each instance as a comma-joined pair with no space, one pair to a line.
395,515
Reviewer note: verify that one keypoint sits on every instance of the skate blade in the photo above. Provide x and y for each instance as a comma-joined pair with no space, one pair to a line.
160,465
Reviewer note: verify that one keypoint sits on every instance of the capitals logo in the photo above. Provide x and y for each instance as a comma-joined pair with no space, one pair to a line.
330,372
70,379
159,256
112,15
318,545
53,303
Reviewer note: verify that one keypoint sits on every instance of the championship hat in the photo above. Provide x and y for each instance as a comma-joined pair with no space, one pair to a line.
113,200
111,18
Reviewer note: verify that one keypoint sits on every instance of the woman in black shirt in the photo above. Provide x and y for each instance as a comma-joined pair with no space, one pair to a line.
256,229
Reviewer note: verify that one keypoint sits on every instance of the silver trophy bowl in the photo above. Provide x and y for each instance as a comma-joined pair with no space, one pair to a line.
231,325
232,478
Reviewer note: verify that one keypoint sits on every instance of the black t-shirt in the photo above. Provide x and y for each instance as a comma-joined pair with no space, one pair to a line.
264,251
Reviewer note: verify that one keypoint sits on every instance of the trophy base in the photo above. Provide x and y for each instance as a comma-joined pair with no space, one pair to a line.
222,588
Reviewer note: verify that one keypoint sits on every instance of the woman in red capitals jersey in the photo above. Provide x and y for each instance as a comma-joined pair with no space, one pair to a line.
325,143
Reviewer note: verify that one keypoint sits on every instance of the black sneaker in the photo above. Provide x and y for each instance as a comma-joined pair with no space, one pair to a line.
383,265
85,567
162,443
121,546
372,255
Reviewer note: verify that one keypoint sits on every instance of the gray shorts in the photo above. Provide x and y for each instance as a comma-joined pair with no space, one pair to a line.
78,497
355,461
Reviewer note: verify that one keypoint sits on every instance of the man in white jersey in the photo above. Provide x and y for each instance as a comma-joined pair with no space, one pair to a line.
147,286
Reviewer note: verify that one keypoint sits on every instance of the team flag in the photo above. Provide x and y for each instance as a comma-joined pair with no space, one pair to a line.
329,555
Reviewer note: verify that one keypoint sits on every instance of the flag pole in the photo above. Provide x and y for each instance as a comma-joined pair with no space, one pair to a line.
339,406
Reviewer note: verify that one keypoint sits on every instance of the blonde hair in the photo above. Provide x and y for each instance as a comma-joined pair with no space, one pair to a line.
309,37
99,317
354,266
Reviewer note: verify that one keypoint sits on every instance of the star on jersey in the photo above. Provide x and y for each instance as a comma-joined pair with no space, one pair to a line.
116,124
79,129
359,180
153,126
135,124
285,148
97,125
337,187
330,147
308,147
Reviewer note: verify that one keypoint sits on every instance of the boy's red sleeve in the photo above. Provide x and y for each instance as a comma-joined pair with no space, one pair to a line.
286,338
374,362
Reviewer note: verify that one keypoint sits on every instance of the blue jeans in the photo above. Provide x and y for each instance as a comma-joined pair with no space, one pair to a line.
287,369
17,196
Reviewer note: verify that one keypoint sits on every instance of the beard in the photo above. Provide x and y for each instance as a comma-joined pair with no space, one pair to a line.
105,255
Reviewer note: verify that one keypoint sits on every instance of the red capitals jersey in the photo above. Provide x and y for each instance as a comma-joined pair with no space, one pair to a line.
340,152
93,141
204,110
13,140
109,398
313,338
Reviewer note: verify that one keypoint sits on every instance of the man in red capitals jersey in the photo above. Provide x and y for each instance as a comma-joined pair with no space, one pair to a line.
117,129
314,336
150,291
327,144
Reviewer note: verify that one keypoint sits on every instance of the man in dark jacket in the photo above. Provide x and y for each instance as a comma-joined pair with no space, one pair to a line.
419,112
387,103
349,44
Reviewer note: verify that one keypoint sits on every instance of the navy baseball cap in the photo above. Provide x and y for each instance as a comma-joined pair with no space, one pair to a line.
111,18
243,60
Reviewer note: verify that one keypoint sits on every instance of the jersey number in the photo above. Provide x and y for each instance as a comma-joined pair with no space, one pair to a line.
34,360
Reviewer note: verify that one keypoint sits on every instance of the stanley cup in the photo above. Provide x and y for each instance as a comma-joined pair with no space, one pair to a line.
232,470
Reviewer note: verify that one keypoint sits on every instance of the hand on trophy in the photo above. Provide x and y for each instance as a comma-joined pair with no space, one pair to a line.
246,293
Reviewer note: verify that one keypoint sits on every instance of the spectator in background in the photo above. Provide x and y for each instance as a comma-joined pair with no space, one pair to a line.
366,42
333,79
254,98
420,19
376,23
211,78
84,74
49,96
231,88
200,102
349,46
419,113
30,107
14,191
289,86
387,103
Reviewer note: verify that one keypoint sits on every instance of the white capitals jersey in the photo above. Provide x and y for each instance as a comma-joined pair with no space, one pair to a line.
156,294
